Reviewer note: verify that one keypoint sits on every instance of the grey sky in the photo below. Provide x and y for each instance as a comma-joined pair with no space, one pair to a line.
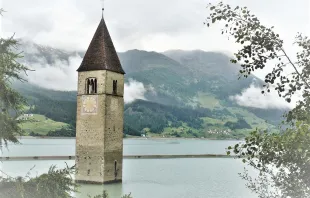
154,25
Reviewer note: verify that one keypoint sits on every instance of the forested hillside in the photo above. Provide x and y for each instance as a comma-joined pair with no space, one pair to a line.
145,117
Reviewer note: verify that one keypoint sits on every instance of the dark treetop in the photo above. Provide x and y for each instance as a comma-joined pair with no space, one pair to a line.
101,54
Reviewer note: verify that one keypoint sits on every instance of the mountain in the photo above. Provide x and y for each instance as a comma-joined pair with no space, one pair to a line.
213,70
179,76
201,63
170,79
186,81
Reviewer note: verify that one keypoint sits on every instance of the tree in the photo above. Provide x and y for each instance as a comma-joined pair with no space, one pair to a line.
11,102
260,45
282,159
56,183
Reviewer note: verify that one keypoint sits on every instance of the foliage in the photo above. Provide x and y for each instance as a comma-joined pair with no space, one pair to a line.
131,131
63,132
61,111
281,159
261,45
240,124
105,195
40,124
143,114
54,184
11,102
284,157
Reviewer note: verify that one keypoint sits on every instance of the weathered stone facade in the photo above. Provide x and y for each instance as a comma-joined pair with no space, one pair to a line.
99,131
100,108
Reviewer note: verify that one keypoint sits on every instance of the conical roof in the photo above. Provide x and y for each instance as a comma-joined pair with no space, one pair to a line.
101,54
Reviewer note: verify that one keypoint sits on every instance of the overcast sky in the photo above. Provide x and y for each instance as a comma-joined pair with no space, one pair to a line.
152,25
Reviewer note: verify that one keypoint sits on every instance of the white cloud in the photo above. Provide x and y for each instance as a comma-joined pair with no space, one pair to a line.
252,97
61,75
153,25
134,90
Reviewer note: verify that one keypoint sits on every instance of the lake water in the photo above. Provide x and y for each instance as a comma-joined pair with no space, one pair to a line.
147,178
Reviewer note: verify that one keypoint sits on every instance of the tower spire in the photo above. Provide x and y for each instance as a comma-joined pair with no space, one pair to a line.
101,54
102,12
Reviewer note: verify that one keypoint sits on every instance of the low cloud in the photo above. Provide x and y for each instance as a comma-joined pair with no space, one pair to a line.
61,75
252,97
135,90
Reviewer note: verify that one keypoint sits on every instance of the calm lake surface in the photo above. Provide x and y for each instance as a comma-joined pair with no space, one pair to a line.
146,178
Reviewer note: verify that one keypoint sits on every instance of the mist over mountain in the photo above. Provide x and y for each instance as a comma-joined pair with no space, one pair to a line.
195,79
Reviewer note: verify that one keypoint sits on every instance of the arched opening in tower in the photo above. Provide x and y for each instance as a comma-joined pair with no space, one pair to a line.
91,86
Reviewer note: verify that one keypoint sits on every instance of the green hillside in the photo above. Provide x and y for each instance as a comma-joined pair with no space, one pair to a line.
145,117
40,124
171,121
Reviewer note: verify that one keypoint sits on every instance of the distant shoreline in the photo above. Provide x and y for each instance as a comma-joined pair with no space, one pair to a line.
133,138
43,137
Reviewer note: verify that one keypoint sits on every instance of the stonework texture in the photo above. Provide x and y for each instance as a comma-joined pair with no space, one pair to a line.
99,136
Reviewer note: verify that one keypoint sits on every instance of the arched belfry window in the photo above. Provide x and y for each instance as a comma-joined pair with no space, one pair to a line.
91,86
114,86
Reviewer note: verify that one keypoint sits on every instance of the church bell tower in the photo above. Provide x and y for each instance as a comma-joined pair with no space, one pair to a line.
100,108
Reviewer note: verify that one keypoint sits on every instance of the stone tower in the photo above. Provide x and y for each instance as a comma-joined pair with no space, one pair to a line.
100,107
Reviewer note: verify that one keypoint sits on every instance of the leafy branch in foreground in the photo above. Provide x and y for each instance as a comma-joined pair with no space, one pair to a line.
105,195
11,102
262,46
56,183
285,158
282,160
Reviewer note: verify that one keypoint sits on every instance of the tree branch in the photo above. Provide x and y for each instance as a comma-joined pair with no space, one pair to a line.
295,68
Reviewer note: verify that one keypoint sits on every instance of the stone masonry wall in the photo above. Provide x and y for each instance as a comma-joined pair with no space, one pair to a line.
113,142
99,136
101,78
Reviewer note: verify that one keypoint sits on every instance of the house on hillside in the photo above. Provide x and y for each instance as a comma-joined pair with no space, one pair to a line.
24,117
